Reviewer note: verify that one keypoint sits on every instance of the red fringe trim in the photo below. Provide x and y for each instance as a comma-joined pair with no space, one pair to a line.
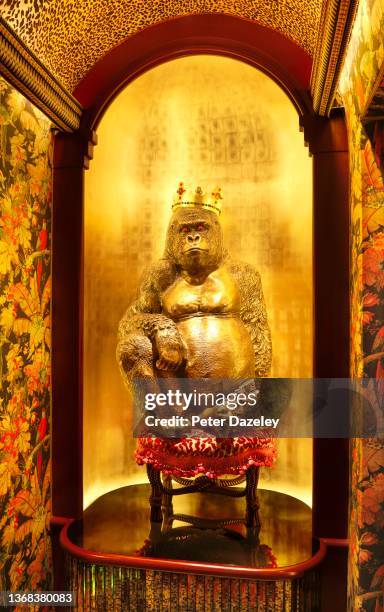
213,457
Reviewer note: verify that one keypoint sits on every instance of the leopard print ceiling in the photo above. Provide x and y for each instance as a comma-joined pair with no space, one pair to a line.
69,36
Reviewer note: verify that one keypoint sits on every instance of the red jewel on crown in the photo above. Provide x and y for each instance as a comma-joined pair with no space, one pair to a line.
216,195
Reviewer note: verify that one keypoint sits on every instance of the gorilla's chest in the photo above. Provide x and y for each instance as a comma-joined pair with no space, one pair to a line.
207,316
217,294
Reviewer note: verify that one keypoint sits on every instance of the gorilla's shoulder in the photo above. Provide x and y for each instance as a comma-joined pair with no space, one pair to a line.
160,274
242,268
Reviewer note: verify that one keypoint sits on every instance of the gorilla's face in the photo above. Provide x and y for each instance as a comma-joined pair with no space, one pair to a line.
194,240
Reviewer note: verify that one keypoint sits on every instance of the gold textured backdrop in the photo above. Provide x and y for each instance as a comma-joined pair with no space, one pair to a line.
209,121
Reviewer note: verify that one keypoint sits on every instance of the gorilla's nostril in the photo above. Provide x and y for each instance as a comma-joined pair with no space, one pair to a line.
193,238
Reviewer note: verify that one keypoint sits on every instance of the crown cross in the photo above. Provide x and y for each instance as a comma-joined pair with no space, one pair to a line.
180,191
216,194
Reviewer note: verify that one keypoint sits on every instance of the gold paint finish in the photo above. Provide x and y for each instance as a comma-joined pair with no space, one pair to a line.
217,294
207,317
228,340
207,121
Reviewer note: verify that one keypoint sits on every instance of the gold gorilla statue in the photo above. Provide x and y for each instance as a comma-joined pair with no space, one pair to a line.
199,313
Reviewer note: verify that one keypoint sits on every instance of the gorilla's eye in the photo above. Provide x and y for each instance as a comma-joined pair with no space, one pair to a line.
201,227
184,229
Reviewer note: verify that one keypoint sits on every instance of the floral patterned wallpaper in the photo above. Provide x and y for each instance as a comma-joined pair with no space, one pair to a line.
365,54
363,64
25,288
25,196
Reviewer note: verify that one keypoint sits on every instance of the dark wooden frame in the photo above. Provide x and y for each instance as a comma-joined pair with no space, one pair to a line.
162,493
290,67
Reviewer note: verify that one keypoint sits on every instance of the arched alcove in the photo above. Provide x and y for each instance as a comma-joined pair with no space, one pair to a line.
289,66
206,120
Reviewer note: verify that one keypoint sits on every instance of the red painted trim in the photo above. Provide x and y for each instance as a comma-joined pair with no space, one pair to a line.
67,322
335,542
60,521
328,143
262,47
191,567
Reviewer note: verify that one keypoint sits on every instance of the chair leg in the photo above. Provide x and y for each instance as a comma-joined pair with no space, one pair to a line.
167,505
252,513
156,494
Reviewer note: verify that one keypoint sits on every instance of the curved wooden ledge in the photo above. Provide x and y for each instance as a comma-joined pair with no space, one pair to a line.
191,567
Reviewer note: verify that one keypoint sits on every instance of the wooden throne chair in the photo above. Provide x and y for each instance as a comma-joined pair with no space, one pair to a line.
205,465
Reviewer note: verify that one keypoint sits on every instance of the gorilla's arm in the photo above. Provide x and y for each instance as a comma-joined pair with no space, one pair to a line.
144,314
144,328
254,315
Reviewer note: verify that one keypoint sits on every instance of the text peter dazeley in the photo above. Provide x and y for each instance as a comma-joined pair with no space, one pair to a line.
197,421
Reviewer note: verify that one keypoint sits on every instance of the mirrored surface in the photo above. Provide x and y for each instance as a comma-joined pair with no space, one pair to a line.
118,522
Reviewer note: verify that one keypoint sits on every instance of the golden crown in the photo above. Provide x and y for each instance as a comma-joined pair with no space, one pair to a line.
186,199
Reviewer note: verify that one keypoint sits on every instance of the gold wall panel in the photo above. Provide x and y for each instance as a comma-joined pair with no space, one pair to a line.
69,36
209,121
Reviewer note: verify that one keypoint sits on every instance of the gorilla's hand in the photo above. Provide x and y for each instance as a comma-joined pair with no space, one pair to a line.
170,348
